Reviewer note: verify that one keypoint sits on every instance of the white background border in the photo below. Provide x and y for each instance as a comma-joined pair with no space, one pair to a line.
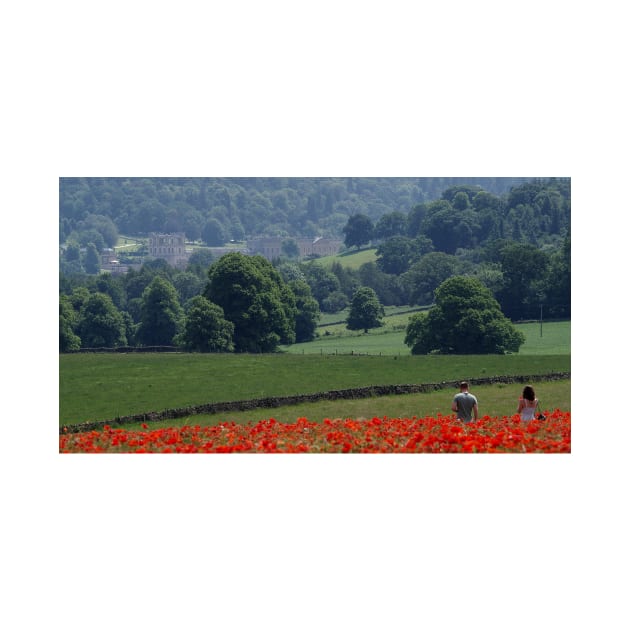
333,89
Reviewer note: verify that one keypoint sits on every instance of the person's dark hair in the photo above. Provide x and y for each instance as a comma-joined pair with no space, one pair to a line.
463,385
528,393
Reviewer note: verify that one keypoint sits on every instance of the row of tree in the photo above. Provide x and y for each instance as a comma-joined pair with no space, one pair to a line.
521,277
245,306
406,271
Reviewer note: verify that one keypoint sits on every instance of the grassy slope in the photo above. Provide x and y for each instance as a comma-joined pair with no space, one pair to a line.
555,339
104,386
389,339
352,259
494,400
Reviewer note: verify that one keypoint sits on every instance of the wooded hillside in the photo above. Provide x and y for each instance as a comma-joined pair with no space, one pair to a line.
247,207
515,244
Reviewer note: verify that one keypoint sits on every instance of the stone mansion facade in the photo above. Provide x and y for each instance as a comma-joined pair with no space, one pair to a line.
271,247
170,247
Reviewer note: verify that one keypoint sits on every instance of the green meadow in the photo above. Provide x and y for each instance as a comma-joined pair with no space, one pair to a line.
494,400
104,386
334,337
109,385
352,259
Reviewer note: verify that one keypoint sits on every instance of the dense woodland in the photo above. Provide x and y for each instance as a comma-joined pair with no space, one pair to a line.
510,234
249,207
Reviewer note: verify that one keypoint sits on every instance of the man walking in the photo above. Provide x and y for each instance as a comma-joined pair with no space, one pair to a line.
465,404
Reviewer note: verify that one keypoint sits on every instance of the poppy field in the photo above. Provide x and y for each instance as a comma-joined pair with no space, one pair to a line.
430,434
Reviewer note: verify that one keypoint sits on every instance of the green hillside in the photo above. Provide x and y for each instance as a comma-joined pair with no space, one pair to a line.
352,259
335,338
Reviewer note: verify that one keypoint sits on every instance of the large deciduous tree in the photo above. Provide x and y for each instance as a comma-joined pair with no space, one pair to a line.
255,298
466,319
101,325
161,315
365,310
358,230
206,329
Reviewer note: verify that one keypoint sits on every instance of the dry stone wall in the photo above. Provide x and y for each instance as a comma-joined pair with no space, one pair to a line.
279,401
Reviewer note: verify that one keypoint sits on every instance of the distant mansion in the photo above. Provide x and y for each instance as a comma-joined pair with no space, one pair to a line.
172,248
271,248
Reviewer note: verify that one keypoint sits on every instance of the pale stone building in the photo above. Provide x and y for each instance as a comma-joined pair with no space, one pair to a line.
271,247
170,247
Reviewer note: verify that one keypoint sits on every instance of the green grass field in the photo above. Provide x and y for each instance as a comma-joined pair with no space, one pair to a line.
352,259
390,339
555,338
494,400
105,386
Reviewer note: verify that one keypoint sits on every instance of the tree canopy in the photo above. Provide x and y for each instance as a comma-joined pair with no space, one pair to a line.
243,207
307,311
426,275
466,319
161,314
101,324
206,329
395,255
255,298
358,231
524,271
365,310
68,340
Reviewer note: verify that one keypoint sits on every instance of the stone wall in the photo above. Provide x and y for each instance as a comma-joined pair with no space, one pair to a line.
280,401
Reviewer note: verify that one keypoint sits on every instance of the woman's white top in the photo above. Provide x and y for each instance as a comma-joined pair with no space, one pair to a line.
529,410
